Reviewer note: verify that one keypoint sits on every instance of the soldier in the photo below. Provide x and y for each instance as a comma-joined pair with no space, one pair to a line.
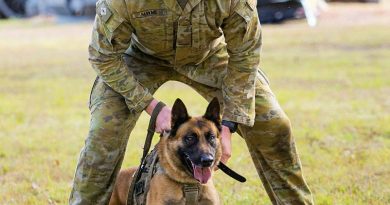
211,45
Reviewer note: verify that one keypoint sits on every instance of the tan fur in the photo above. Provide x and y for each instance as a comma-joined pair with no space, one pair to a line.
122,185
167,188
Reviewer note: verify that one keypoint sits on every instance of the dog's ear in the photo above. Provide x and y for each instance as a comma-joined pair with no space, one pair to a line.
213,112
179,115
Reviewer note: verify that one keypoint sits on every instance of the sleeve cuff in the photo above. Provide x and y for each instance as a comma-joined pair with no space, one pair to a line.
142,103
240,119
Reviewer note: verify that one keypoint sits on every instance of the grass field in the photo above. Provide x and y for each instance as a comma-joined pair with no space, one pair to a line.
333,81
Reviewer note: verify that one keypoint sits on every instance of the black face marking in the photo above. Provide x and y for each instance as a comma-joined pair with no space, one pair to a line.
185,159
211,139
191,152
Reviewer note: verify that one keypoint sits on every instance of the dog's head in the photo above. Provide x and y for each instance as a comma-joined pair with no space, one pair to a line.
195,141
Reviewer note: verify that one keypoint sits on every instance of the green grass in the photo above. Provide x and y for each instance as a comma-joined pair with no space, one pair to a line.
333,81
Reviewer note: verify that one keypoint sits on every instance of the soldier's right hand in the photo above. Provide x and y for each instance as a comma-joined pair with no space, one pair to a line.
163,121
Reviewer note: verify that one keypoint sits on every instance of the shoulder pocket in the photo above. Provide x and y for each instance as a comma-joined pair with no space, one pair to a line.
110,20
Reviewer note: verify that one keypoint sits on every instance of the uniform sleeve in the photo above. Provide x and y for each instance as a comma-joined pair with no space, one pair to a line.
243,37
111,37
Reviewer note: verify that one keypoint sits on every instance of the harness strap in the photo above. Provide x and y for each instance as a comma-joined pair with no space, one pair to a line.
148,142
191,194
150,175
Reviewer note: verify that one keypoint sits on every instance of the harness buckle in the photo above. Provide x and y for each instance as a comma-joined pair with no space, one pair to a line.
139,188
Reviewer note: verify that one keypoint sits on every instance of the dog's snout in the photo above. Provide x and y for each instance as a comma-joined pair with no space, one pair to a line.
206,160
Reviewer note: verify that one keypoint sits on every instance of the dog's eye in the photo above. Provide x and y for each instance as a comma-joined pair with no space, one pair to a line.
190,139
211,139
210,136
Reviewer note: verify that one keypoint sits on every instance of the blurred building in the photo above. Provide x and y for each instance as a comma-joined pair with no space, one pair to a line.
270,11
27,8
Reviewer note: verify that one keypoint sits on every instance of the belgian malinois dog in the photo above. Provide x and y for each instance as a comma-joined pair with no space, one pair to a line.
189,154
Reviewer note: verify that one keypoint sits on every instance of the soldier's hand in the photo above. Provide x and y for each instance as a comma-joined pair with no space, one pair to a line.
163,121
226,143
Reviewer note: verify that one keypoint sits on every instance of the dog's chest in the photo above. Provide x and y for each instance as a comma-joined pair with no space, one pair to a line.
173,202
165,192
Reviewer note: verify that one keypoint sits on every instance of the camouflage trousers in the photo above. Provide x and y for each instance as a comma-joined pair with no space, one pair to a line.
270,140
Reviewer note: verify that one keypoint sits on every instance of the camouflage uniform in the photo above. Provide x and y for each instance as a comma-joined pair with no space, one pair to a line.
211,45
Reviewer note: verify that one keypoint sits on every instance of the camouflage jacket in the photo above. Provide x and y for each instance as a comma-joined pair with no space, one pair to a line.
184,39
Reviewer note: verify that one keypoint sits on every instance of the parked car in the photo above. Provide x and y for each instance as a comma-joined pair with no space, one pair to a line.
275,11
270,11
26,8
12,8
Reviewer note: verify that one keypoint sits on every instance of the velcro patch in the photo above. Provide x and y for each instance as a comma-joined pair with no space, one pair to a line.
103,11
151,12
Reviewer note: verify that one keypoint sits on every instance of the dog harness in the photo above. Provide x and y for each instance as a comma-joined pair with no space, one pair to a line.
138,195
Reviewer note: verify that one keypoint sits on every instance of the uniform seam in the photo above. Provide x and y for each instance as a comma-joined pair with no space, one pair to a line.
141,104
127,11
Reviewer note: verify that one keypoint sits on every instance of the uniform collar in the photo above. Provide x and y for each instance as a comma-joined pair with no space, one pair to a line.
172,4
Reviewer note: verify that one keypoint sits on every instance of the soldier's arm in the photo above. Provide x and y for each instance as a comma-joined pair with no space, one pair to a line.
111,37
243,37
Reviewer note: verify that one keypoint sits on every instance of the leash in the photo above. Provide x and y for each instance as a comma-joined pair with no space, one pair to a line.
151,128
148,142
231,173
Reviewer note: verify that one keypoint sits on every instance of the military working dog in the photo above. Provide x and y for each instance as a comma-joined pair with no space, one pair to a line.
188,155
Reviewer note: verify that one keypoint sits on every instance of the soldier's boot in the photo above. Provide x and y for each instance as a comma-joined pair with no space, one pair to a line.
271,145
111,123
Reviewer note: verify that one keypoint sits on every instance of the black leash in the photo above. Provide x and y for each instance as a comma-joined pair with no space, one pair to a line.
148,142
151,129
231,173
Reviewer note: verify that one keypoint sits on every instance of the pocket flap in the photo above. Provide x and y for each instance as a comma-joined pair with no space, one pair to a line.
103,11
110,20
244,10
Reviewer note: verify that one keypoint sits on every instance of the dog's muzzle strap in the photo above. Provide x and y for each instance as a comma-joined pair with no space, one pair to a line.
231,173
